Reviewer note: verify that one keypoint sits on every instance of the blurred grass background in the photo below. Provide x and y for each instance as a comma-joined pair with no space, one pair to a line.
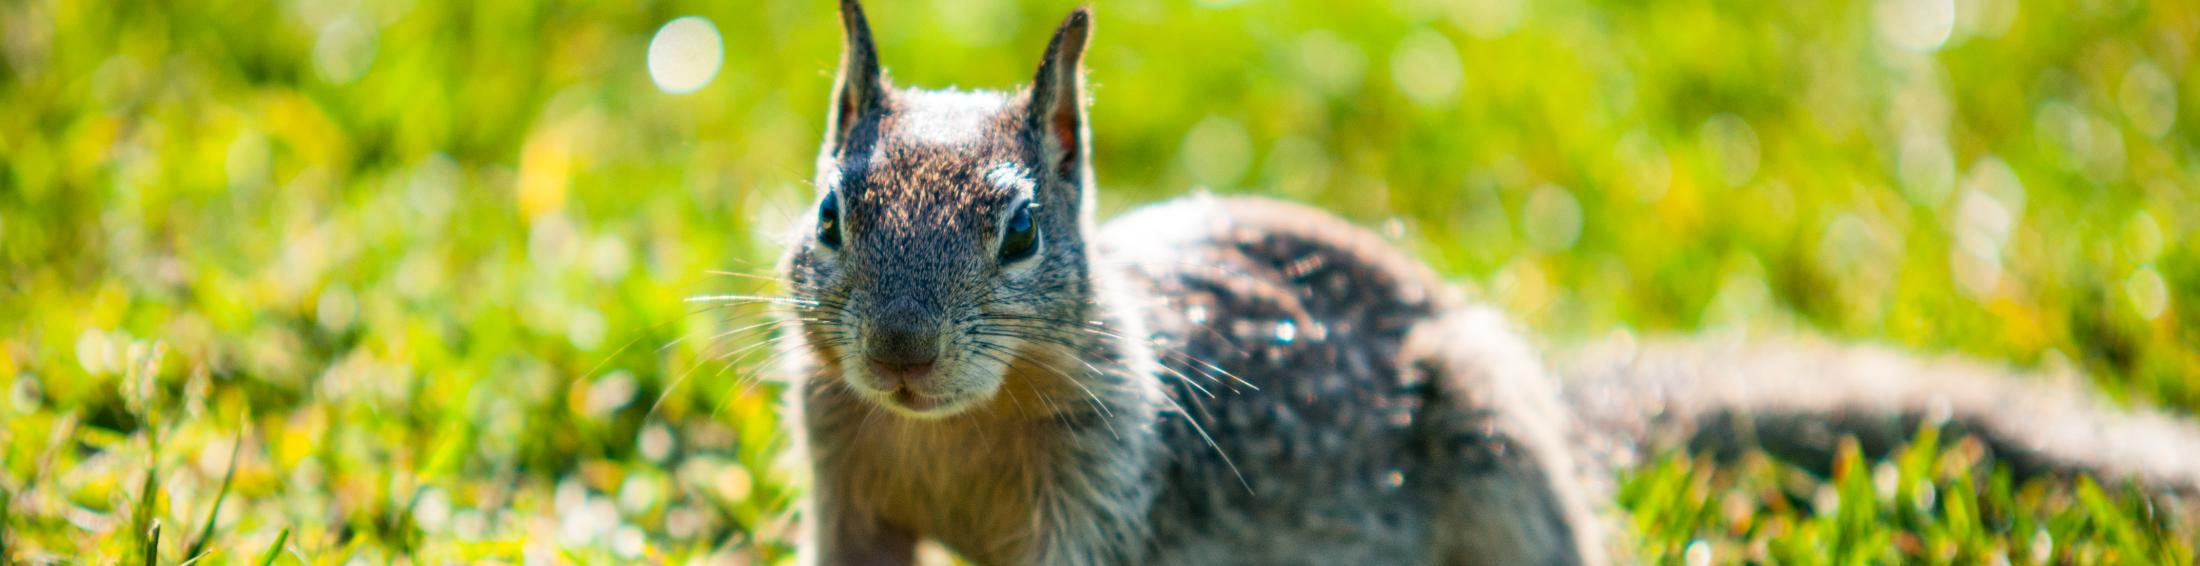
402,281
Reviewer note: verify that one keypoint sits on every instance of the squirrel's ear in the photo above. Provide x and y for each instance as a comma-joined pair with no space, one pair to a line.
858,88
1058,95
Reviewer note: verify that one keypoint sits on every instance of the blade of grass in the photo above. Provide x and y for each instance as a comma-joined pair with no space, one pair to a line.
142,520
275,550
206,531
151,547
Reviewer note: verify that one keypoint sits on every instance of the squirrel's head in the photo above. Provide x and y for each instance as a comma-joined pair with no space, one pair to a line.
947,241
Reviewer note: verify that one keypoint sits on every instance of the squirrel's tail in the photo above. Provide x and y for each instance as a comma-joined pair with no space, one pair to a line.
1797,399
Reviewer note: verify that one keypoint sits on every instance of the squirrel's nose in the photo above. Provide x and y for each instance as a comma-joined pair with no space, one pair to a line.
903,351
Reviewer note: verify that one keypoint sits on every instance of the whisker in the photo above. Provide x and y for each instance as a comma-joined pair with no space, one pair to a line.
1005,364
754,375
1107,415
762,326
1092,399
1203,367
742,299
1193,420
1189,418
667,393
766,278
746,383
691,372
629,344
750,329
1191,382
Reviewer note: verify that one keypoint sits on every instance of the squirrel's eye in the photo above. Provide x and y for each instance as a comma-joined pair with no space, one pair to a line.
828,220
1020,238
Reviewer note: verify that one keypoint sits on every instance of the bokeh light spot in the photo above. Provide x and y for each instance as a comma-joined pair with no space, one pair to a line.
2149,99
1330,62
1982,227
1427,68
1217,151
1553,218
1487,18
685,54
2149,295
343,50
1698,553
1916,25
2145,236
1925,166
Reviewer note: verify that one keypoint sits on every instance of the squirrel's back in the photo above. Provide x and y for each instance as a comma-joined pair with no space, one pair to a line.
1308,360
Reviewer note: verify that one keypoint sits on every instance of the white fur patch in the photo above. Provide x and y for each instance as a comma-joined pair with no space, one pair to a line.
1012,177
949,117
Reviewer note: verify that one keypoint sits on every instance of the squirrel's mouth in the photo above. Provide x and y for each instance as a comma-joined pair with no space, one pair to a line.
911,403
911,400
918,401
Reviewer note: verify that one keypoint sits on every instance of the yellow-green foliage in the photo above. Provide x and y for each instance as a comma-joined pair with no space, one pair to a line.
426,260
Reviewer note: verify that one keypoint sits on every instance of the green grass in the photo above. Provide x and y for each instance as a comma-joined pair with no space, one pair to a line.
402,281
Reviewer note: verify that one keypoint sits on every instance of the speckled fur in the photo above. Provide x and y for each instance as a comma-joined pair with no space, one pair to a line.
1208,381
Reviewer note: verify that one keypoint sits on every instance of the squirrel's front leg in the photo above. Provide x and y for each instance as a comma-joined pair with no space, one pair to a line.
1101,523
840,534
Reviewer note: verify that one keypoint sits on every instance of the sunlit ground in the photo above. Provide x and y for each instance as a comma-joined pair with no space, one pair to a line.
403,280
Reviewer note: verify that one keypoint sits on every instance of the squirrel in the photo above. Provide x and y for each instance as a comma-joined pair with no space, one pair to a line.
1216,380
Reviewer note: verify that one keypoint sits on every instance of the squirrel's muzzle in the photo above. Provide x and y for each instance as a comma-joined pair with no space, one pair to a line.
903,343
